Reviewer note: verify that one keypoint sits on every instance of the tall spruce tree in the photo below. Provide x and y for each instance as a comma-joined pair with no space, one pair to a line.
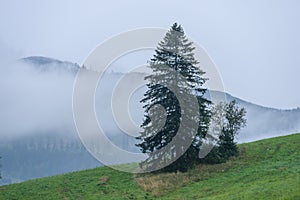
174,53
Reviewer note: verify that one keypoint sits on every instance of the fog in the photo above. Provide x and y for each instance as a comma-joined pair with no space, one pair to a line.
255,44
37,99
36,117
34,101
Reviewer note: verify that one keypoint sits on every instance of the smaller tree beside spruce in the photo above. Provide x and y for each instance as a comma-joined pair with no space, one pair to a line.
232,119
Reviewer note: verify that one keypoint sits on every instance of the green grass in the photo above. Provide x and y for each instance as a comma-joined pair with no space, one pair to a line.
266,169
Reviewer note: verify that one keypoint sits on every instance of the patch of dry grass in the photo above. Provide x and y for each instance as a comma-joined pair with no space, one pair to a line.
160,183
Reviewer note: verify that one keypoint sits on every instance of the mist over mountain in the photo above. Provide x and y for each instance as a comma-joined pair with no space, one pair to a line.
50,64
38,134
264,122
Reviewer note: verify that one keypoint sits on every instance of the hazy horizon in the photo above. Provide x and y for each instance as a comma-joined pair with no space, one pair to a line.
254,44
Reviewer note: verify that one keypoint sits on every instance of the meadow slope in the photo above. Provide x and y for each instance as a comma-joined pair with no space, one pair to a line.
265,169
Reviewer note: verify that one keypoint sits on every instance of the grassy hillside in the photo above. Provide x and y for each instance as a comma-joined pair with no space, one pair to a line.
266,169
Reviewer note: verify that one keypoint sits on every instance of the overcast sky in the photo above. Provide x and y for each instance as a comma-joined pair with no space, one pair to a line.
255,44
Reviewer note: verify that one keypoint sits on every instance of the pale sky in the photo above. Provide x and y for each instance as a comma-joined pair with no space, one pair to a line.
255,44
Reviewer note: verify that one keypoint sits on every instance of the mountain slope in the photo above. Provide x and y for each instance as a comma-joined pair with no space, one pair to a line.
38,136
40,109
264,122
266,169
50,64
